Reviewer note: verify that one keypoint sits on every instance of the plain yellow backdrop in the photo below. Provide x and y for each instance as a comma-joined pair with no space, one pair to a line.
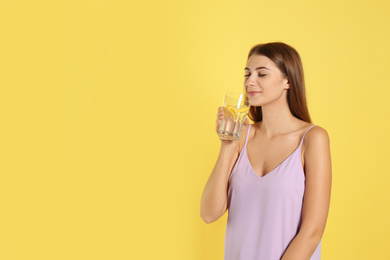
107,118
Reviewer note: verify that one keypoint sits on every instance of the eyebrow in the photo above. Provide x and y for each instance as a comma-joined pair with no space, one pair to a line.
258,68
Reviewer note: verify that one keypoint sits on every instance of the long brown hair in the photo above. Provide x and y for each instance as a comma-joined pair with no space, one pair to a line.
289,63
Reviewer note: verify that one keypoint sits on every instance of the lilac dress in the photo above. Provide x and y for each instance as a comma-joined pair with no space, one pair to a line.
264,212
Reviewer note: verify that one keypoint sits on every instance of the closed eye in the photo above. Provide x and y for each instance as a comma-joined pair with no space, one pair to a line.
260,75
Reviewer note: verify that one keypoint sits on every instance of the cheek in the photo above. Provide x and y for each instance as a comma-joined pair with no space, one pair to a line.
275,84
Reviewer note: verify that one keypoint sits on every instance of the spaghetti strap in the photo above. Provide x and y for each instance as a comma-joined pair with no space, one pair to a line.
247,134
305,134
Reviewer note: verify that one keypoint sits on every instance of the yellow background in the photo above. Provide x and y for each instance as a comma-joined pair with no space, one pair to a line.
107,118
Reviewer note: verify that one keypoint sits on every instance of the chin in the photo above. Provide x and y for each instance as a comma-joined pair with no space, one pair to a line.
256,104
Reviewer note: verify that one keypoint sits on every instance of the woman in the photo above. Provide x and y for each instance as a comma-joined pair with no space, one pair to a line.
276,179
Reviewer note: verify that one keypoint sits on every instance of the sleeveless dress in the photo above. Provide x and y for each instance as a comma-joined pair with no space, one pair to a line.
264,213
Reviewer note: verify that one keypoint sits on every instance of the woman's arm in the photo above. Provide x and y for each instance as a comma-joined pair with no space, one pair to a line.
214,198
318,172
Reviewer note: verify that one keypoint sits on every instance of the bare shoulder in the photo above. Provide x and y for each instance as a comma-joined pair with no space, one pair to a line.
316,142
316,135
316,156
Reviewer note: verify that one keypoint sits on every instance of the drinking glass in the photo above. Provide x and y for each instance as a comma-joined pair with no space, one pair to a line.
235,108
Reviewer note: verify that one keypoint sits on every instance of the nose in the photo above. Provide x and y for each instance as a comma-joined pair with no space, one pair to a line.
250,81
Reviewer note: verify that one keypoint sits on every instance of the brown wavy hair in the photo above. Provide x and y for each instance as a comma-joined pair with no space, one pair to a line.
289,63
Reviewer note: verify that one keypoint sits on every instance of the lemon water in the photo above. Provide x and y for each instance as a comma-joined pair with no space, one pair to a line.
230,128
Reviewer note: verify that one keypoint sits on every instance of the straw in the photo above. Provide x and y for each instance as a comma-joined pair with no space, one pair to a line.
239,101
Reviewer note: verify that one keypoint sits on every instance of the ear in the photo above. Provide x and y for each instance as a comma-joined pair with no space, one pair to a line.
287,83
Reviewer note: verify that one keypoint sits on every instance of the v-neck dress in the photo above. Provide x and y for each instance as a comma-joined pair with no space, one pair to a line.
264,213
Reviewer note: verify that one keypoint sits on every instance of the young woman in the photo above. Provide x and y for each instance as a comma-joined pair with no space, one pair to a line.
276,179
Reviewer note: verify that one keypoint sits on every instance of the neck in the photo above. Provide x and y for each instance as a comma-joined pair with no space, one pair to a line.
277,118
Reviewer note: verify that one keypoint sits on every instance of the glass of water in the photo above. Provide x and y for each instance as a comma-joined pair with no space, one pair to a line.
235,108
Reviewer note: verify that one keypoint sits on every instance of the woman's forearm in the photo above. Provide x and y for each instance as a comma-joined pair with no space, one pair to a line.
302,247
214,197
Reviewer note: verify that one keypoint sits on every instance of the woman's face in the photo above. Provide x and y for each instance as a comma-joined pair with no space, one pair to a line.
264,82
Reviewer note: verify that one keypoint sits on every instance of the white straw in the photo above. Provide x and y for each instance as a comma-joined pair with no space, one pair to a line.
239,101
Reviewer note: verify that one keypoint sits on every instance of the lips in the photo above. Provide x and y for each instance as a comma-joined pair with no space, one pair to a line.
253,93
